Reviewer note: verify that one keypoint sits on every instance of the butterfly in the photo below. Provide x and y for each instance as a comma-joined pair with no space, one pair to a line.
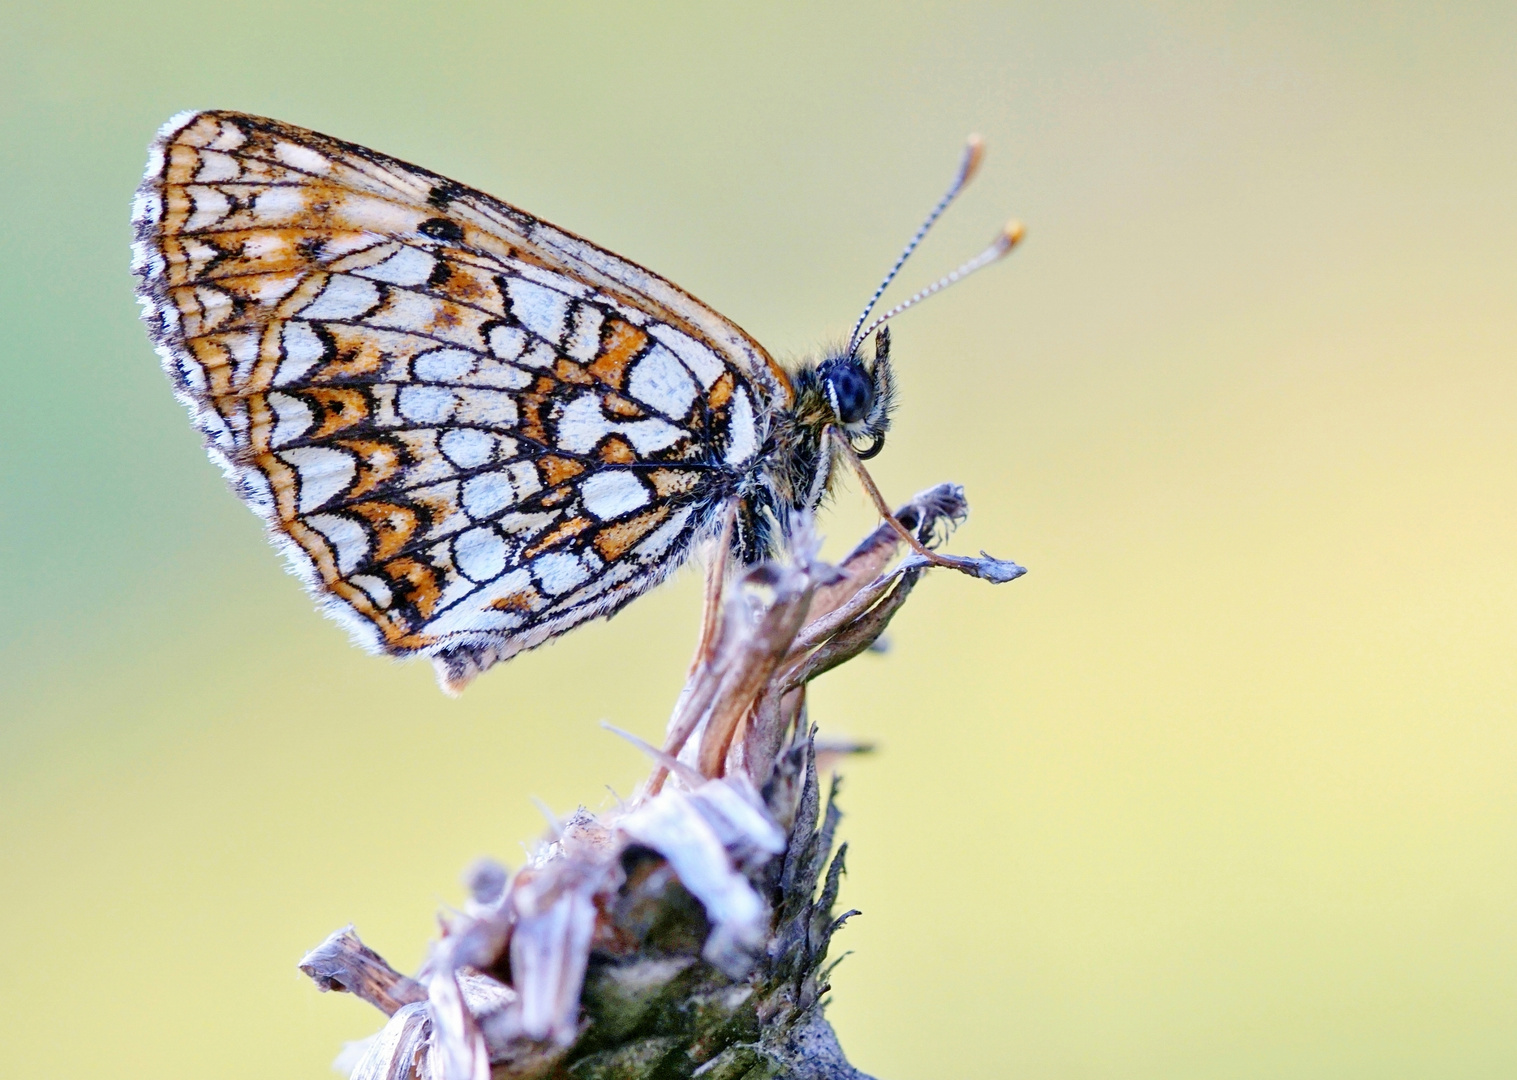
469,430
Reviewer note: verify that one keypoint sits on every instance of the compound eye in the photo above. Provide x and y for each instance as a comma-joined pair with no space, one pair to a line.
850,392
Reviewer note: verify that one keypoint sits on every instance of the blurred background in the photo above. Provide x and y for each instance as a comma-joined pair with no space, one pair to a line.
1225,787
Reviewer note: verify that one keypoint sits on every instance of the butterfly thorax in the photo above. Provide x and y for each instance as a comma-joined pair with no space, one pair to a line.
841,390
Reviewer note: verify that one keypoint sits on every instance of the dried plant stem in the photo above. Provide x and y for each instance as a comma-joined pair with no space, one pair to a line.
685,934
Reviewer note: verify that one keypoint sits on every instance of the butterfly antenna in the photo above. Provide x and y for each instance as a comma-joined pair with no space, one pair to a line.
969,164
998,249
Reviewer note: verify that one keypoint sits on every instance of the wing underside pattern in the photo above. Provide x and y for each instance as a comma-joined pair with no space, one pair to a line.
469,431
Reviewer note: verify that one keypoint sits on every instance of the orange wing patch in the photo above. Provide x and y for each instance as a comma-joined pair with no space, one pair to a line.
613,541
620,342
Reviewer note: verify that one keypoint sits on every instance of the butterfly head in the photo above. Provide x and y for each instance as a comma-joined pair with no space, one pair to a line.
859,395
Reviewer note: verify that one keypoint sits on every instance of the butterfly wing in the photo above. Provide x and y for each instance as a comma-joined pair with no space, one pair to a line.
468,430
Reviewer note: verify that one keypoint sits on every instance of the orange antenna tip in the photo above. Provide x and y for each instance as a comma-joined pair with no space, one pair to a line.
1011,236
999,248
974,153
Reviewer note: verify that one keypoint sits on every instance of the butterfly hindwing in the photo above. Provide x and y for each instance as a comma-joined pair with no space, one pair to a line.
469,429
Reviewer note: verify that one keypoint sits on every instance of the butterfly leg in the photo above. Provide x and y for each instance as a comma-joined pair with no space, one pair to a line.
994,570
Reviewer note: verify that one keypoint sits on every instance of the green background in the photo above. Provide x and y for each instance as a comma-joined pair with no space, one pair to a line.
1225,787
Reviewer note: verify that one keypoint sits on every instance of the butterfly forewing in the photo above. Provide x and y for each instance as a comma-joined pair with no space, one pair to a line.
470,430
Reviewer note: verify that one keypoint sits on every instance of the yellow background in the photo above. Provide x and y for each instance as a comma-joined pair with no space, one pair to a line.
1225,787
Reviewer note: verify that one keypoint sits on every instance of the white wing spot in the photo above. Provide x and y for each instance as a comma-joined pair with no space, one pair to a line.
660,380
407,311
377,215
216,167
584,340
468,448
649,436
426,404
274,287
540,310
742,435
210,207
613,493
480,554
346,536
278,204
487,408
378,591
559,571
582,425
323,473
487,495
230,137
302,157
345,297
524,524
243,348
408,266
541,355
293,419
507,376
443,365
506,342
699,359
302,351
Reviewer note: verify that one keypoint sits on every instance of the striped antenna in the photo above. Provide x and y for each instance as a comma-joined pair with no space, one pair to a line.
969,164
999,249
